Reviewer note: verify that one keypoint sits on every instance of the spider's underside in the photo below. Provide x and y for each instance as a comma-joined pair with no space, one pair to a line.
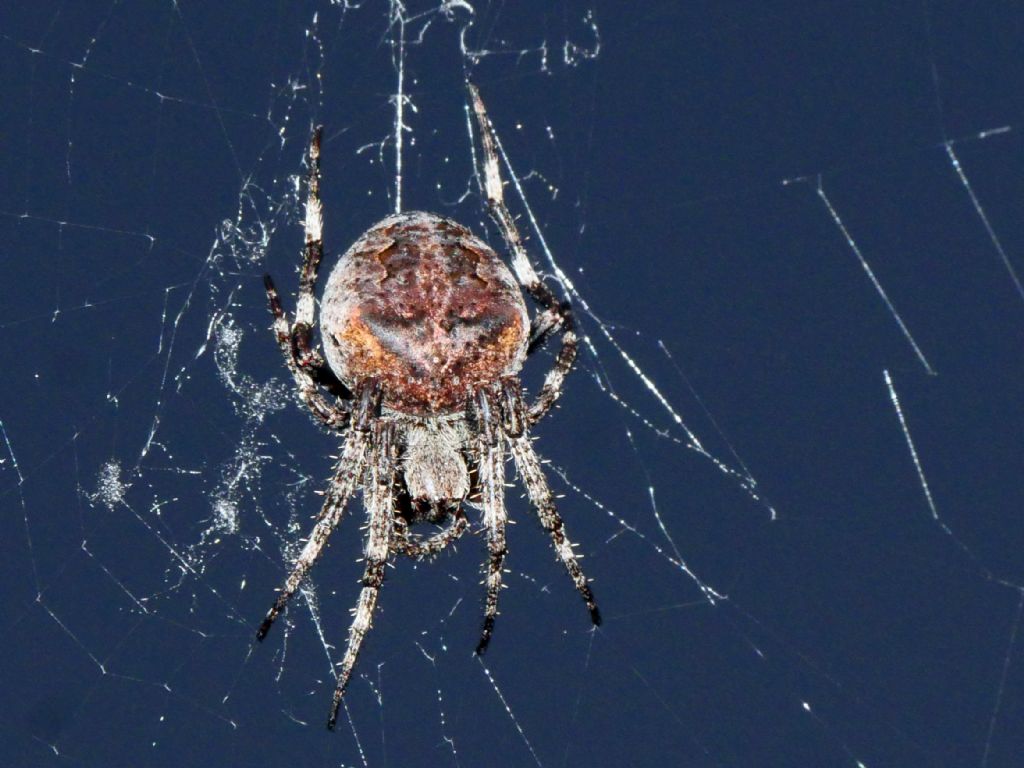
424,331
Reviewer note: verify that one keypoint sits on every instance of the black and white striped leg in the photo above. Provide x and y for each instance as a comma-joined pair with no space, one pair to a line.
380,504
333,416
347,475
532,474
296,338
554,313
543,326
492,491
312,255
314,236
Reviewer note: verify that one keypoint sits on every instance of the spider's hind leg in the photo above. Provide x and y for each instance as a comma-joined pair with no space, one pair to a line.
532,474
380,505
347,476
491,477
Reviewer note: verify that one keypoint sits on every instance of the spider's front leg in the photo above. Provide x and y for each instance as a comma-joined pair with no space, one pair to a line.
296,338
554,314
380,506
491,463
307,375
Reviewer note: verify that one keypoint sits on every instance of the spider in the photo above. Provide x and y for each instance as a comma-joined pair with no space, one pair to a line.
424,331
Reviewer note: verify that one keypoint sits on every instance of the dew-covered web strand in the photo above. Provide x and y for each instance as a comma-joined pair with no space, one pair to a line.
673,558
940,113
739,615
508,710
446,737
19,487
397,15
986,573
211,99
603,381
926,489
102,664
989,230
112,488
947,146
820,189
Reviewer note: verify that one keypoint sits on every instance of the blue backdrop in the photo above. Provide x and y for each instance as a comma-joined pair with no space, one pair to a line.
791,451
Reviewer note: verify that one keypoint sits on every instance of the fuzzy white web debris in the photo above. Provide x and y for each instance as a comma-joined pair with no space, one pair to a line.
253,402
111,486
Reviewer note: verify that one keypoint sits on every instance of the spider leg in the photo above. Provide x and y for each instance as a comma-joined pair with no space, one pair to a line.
554,314
343,483
295,338
350,466
306,376
530,470
492,491
380,503
314,232
542,327
304,350
423,549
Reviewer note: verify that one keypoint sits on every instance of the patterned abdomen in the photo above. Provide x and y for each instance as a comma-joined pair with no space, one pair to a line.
422,304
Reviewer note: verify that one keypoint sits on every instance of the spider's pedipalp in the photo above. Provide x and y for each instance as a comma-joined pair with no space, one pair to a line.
402,542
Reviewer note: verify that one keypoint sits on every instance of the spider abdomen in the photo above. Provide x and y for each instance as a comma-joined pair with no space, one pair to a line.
423,305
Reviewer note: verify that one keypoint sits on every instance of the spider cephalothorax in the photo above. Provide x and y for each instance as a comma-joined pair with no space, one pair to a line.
424,330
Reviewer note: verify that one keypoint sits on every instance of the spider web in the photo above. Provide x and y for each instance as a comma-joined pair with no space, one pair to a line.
791,452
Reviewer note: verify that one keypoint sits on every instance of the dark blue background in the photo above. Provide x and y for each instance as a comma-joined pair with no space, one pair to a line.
686,157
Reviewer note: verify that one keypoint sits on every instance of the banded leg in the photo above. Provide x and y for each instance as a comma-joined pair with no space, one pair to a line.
540,495
350,467
543,326
491,463
346,477
380,504
313,252
307,376
295,338
314,234
554,313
